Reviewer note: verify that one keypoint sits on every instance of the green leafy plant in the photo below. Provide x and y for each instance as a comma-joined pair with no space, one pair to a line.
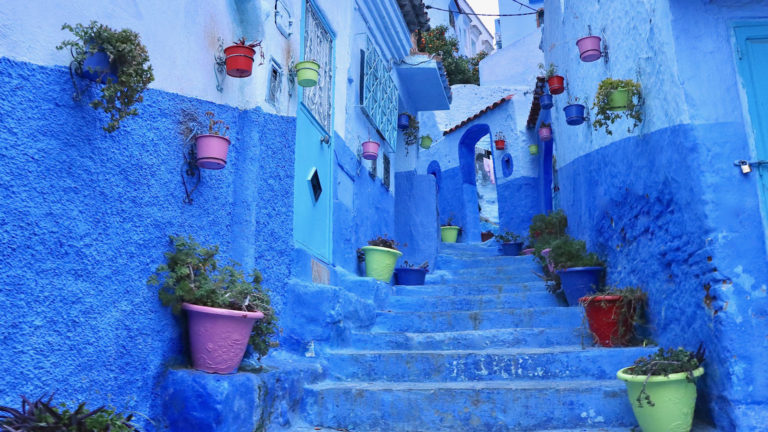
216,127
192,274
127,54
507,237
628,310
424,266
546,228
568,252
548,72
460,69
664,363
605,116
42,416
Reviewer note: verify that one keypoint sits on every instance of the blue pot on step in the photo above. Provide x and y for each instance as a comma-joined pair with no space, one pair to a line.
410,276
512,249
96,67
578,282
574,114
546,101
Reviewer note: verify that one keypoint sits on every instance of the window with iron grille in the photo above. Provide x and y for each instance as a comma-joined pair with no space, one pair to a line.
372,172
385,168
379,95
275,83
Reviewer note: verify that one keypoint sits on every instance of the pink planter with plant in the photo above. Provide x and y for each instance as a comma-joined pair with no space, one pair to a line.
545,133
212,151
370,150
589,48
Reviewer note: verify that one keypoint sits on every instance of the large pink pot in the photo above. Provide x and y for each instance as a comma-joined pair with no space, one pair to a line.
370,150
218,337
589,48
212,151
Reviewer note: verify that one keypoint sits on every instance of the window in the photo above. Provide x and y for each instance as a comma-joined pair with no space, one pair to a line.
373,169
275,81
385,167
379,95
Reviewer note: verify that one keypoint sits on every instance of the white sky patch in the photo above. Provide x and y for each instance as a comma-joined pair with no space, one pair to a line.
488,7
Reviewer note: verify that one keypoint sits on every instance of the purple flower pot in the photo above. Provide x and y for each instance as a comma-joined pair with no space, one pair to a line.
589,48
370,150
212,151
410,276
578,282
512,249
218,337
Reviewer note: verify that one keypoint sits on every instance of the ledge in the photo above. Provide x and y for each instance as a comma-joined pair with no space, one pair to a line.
424,83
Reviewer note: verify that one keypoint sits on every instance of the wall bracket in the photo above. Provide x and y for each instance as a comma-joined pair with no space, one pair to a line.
189,167
220,65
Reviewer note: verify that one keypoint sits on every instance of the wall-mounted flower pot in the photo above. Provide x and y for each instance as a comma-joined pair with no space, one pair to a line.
380,262
218,337
426,142
618,100
574,114
96,67
589,48
673,397
533,149
239,60
606,320
545,133
370,150
449,234
546,101
212,151
556,84
410,276
500,144
511,249
307,73
403,120
578,282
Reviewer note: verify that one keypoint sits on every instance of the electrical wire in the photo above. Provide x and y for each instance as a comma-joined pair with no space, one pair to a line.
477,14
525,5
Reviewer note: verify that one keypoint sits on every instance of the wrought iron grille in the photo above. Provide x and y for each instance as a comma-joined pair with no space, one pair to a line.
380,95
318,46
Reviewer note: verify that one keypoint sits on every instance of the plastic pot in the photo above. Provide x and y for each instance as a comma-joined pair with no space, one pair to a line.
673,396
212,151
546,101
512,249
370,150
589,48
426,142
545,133
449,234
403,120
533,149
239,60
605,321
618,100
380,262
96,67
556,84
499,144
410,276
307,73
578,282
528,251
574,114
218,337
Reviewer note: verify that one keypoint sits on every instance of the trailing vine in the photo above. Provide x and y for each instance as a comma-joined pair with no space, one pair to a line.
605,117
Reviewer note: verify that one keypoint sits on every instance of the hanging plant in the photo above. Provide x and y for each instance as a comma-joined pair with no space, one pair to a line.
556,82
240,57
411,133
500,141
127,75
616,99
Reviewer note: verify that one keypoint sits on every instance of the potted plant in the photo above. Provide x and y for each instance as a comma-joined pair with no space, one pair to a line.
222,305
411,133
116,59
574,112
510,243
43,415
410,274
579,271
426,142
307,73
380,257
589,48
545,132
555,81
662,388
449,233
212,148
239,57
611,314
403,121
499,140
533,149
370,150
616,99
546,101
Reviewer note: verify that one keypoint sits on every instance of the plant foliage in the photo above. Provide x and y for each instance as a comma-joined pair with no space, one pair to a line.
424,266
192,274
460,69
568,252
385,242
216,126
127,54
412,133
548,72
663,363
605,117
41,416
507,237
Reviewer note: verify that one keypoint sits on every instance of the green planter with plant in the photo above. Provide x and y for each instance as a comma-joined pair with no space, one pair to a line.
662,389
612,314
225,311
617,99
510,243
449,233
580,271
42,415
426,142
380,257
116,58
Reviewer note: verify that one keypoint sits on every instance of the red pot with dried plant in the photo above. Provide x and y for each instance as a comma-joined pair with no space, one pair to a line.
612,315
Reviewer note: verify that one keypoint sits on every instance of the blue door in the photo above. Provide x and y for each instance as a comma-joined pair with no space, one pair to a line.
313,176
752,55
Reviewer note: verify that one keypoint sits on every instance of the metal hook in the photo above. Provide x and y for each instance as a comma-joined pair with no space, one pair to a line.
189,168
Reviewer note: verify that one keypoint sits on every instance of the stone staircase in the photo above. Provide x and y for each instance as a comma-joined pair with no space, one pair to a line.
482,347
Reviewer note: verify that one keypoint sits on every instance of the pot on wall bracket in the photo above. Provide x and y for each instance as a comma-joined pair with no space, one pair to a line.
426,142
212,151
239,60
618,100
500,144
533,149
307,73
545,133
370,150
574,114
556,84
589,48
546,101
403,120
97,67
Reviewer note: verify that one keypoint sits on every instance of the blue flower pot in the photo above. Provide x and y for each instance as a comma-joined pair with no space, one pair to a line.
410,276
574,114
512,249
403,120
578,282
96,67
546,101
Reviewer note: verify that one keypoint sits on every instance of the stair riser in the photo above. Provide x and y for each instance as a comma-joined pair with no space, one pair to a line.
448,262
482,278
570,317
469,290
508,338
426,304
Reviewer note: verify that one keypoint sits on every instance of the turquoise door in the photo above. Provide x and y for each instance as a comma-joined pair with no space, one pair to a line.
752,56
313,176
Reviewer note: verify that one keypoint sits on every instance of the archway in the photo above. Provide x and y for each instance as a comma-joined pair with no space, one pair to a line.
479,197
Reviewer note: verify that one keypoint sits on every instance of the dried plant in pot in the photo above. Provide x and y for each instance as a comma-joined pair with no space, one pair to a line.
42,415
411,274
449,233
239,57
500,141
212,148
612,314
380,257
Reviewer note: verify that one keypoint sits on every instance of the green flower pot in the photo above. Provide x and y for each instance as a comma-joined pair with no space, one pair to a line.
380,262
673,396
618,100
533,149
307,73
426,142
449,234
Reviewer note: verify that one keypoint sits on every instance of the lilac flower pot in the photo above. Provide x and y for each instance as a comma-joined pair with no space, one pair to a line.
589,48
218,337
370,150
212,151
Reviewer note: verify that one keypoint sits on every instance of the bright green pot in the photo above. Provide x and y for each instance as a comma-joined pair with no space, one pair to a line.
307,73
426,142
380,262
449,234
618,100
533,149
673,396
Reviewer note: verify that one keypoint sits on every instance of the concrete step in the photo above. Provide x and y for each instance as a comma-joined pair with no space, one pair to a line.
455,262
423,322
474,302
519,405
559,362
478,277
469,249
472,339
464,289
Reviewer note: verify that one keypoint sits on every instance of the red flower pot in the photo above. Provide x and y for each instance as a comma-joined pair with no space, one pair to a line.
239,59
608,328
556,84
499,144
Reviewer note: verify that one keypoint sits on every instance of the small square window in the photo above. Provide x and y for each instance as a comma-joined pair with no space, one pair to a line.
275,81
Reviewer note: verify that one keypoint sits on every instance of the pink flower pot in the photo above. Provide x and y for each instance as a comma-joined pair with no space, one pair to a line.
212,151
550,264
528,251
218,337
589,48
545,133
370,150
